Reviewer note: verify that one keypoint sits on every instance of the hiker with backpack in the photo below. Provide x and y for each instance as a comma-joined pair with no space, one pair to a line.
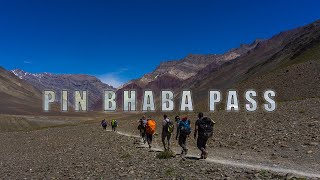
114,124
177,119
104,124
142,128
167,129
150,130
204,130
183,132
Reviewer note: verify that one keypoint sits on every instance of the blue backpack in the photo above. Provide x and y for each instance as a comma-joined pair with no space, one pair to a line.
185,128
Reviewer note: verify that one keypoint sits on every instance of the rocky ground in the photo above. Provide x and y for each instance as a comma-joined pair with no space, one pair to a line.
281,145
88,152
288,137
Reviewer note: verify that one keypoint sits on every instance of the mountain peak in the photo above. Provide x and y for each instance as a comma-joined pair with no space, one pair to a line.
71,82
23,74
19,73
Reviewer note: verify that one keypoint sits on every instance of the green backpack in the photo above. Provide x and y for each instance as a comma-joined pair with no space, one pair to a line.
114,123
170,126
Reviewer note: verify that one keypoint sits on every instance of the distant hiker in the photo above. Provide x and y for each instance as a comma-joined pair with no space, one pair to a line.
142,128
150,130
114,124
204,129
184,130
104,124
177,120
167,129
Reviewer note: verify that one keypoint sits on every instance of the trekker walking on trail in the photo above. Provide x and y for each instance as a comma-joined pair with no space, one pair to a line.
142,128
150,130
114,124
177,119
204,130
104,124
183,132
167,129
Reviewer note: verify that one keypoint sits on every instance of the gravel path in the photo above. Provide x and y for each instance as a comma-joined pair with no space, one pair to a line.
86,151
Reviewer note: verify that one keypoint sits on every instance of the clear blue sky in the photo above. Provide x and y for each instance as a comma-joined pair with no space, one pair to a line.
124,39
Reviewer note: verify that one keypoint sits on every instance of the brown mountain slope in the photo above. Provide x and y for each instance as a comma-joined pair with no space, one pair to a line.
17,97
71,82
172,74
263,65
187,67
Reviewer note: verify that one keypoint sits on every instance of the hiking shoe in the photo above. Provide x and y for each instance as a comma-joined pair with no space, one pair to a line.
202,157
205,154
186,152
149,146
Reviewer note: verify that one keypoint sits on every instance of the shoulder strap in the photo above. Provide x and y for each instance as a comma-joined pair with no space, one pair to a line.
184,123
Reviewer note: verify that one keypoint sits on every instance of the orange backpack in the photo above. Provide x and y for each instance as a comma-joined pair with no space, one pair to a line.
151,126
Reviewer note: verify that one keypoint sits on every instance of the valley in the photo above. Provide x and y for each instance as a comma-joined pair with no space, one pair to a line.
282,144
256,145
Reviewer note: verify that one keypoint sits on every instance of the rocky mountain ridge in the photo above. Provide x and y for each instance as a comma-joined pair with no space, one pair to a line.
71,82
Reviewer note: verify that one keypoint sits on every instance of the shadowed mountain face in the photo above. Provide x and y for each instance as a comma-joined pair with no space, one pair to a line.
71,82
17,96
250,66
283,63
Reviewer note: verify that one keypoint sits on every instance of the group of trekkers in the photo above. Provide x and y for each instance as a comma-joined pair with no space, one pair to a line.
202,132
114,124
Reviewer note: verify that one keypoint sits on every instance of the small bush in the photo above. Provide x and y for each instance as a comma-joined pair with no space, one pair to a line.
166,155
126,156
264,173
169,172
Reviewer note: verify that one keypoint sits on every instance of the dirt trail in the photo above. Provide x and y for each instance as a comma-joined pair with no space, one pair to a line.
278,169
84,151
